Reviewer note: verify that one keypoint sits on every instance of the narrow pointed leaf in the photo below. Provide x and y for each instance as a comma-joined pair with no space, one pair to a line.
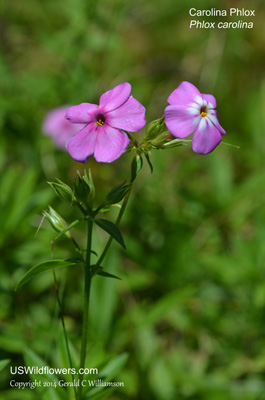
111,229
4,363
67,229
136,166
43,267
99,393
107,275
114,366
54,392
149,162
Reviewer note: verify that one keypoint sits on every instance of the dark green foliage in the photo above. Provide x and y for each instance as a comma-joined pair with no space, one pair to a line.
111,229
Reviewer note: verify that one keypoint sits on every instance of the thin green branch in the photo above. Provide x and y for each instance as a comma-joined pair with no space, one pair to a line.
88,278
64,329
118,220
62,320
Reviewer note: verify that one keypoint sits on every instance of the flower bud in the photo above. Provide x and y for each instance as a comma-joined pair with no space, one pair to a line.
90,183
174,143
62,190
84,189
155,128
161,140
56,221
117,194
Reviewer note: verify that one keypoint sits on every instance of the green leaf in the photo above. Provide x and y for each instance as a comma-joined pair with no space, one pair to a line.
45,266
4,363
114,366
136,166
149,162
75,260
32,360
163,379
55,392
67,229
100,393
107,374
111,229
64,360
107,274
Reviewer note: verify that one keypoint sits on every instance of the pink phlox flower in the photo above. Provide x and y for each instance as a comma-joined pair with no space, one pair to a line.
103,134
58,128
190,111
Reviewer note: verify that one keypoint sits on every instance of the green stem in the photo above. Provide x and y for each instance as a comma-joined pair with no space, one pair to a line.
133,140
63,325
118,220
88,278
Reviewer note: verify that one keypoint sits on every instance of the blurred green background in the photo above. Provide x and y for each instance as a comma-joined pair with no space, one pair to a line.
187,319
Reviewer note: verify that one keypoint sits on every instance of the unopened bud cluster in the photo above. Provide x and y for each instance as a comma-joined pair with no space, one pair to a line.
158,137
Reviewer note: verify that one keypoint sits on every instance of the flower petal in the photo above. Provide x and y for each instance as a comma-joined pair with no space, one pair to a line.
130,116
210,100
213,116
185,94
181,121
82,145
206,137
58,128
110,144
83,113
115,97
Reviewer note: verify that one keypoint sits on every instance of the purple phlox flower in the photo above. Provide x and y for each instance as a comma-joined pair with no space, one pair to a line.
190,111
58,128
103,134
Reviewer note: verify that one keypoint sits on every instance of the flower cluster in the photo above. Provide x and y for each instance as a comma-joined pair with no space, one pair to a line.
103,130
